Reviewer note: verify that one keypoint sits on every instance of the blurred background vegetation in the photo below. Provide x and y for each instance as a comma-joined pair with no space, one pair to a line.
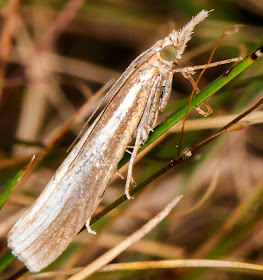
56,55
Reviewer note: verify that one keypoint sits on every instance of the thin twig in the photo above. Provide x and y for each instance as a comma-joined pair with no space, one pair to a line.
193,91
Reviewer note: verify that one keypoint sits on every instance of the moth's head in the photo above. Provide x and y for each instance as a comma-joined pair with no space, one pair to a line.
173,46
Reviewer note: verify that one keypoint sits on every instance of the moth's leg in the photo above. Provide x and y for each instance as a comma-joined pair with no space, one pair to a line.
209,110
119,174
189,77
154,109
134,153
150,114
89,228
191,69
166,89
151,109
128,151
142,130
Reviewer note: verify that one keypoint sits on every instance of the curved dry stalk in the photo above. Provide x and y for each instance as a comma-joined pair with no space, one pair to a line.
229,265
205,196
184,263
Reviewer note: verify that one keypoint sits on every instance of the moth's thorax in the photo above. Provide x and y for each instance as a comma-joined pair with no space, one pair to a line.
166,66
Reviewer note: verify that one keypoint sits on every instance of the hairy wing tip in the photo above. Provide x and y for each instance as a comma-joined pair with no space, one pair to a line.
31,266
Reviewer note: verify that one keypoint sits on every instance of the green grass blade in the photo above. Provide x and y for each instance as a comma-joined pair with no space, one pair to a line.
8,257
6,193
6,260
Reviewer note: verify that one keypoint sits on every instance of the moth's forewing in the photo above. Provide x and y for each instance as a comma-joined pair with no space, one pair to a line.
76,189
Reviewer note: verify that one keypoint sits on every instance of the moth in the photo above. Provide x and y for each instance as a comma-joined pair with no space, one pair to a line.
73,193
